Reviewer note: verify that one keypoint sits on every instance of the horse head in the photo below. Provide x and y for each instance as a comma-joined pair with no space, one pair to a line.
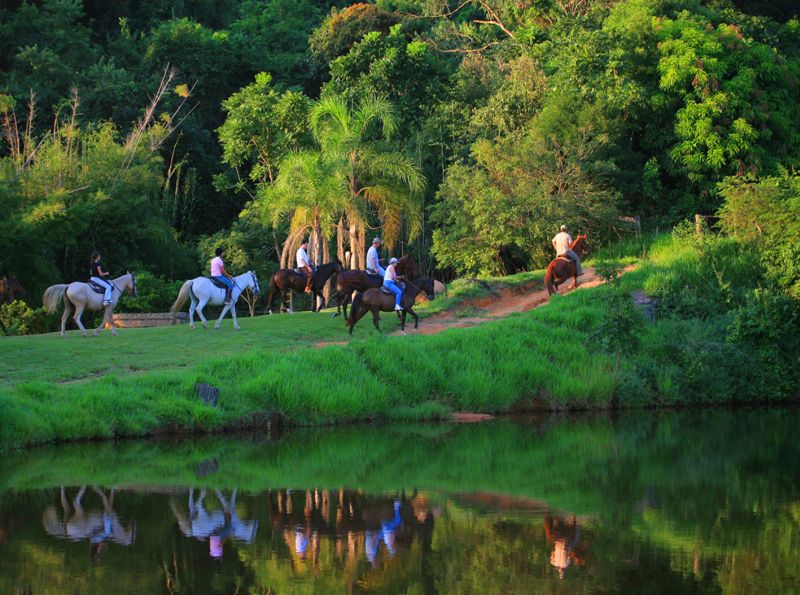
131,286
408,266
11,289
256,287
580,245
338,266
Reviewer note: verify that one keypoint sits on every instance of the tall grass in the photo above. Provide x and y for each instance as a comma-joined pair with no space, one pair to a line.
543,359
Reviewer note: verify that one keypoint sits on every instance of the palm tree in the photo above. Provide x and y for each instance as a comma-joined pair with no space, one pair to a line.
310,192
374,177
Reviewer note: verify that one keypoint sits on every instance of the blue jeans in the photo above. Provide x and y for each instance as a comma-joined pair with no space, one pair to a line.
107,285
395,289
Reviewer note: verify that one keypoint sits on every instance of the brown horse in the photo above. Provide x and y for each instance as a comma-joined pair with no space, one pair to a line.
374,300
357,280
10,290
562,268
285,280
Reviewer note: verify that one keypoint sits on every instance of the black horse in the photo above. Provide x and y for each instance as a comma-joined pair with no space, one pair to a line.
375,300
358,280
285,280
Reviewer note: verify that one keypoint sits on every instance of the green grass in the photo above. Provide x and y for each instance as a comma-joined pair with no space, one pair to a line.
546,358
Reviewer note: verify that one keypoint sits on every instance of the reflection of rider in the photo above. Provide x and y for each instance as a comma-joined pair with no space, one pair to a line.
390,282
216,526
562,242
219,273
373,262
564,535
388,532
99,527
304,264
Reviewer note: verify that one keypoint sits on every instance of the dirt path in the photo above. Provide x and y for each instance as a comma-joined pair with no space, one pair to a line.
493,308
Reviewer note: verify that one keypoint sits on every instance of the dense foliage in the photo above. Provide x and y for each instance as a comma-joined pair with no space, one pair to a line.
464,132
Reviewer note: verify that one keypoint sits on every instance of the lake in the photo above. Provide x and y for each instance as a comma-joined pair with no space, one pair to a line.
703,501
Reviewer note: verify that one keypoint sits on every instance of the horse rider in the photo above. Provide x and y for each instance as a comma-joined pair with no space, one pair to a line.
390,279
373,262
562,242
219,273
304,264
100,276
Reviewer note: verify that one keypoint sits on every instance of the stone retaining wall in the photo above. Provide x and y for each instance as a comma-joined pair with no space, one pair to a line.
137,320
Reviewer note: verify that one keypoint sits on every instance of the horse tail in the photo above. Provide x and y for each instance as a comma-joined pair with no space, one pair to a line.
355,308
549,276
52,296
183,295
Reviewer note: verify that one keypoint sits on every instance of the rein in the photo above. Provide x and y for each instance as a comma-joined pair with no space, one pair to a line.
419,291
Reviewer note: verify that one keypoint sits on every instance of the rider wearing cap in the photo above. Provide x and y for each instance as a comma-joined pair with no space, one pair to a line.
304,264
390,282
562,242
373,262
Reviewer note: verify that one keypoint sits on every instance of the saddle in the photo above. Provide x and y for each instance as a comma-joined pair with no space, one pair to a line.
97,288
218,283
386,290
303,271
565,257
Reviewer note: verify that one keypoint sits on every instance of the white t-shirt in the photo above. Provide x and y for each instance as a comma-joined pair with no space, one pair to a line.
302,258
389,274
562,241
372,259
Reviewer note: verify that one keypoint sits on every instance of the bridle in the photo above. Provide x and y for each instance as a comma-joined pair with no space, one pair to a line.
419,291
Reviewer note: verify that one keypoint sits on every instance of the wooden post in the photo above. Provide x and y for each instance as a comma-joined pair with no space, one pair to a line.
698,224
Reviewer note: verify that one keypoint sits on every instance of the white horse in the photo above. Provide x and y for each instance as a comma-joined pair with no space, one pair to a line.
81,296
202,291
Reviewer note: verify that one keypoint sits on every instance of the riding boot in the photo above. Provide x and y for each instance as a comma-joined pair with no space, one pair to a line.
228,296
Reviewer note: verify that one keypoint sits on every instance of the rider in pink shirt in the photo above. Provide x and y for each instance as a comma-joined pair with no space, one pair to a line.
219,273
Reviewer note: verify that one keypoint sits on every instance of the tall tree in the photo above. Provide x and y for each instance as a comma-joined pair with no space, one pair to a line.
379,179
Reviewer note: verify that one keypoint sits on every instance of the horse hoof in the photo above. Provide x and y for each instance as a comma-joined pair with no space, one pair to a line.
238,328
216,327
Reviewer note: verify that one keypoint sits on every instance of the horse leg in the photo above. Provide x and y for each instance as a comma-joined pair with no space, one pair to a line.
416,318
233,314
65,315
269,299
346,301
223,313
402,316
77,317
355,317
110,316
96,331
192,308
283,301
200,305
376,318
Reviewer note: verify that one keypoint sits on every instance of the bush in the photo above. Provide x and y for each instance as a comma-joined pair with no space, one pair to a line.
21,319
154,294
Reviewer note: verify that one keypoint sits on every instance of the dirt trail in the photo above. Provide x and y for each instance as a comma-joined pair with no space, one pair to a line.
493,308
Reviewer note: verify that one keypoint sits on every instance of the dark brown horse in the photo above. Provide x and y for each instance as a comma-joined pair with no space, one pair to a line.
285,280
562,268
10,290
357,280
374,300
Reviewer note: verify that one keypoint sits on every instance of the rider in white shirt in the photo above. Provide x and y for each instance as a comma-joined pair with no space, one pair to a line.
390,282
562,242
373,261
304,264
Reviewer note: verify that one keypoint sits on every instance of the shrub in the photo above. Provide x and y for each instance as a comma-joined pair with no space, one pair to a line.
21,319
154,294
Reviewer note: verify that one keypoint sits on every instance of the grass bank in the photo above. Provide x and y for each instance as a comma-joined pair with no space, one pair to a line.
718,338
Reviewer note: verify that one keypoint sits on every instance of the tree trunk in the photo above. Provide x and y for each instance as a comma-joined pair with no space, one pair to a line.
326,257
340,242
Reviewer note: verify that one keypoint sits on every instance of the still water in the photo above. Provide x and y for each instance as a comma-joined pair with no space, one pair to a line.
678,502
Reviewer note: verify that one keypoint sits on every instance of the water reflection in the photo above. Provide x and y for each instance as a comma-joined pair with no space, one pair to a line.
644,503
97,526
